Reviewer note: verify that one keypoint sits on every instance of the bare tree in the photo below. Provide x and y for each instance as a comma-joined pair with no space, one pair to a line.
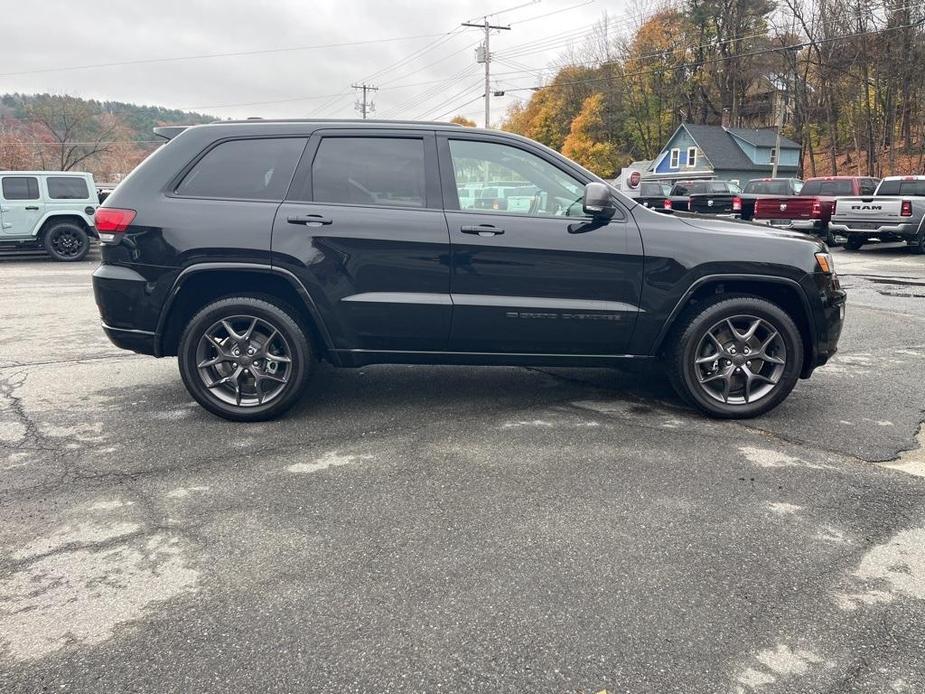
74,127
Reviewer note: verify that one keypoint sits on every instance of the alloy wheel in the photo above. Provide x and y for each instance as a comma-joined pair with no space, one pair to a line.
244,361
66,242
740,360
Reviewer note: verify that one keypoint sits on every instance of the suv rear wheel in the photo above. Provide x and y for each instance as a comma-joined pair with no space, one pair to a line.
245,359
67,241
736,357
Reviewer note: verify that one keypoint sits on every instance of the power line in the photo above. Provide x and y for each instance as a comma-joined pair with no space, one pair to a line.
204,56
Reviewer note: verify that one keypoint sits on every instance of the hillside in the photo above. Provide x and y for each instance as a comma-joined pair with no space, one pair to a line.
107,138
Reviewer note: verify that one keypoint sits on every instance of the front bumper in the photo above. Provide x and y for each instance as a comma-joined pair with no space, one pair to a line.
829,303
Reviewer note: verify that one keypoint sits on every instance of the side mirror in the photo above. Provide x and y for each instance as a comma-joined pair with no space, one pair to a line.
597,201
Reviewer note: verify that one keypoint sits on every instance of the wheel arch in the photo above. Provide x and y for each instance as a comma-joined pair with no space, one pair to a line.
54,218
782,291
204,283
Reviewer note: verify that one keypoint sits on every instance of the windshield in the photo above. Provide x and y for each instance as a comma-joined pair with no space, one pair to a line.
781,187
832,187
913,188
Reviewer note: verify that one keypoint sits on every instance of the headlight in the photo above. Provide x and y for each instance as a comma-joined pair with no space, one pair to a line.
825,263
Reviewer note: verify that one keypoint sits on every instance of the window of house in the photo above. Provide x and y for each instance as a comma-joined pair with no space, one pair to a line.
20,188
675,158
773,156
691,157
259,169
516,181
370,171
67,188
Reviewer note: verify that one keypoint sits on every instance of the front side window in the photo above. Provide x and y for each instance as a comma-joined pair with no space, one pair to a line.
67,188
20,188
385,171
513,180
258,169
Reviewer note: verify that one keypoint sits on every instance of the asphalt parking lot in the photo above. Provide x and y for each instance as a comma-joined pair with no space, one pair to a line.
455,528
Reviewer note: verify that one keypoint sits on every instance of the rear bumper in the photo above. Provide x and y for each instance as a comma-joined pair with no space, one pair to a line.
904,231
140,341
121,295
807,224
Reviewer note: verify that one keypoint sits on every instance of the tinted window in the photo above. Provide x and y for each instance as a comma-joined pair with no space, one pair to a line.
516,181
915,188
244,169
840,187
768,187
868,186
652,189
67,188
369,171
691,188
20,188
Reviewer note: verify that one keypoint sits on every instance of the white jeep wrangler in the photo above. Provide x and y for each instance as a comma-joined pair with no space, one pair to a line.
47,209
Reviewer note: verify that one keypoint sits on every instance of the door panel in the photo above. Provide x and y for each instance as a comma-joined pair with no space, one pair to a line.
374,252
530,273
21,207
537,288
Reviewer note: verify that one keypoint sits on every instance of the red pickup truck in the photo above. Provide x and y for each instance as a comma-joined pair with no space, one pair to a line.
811,210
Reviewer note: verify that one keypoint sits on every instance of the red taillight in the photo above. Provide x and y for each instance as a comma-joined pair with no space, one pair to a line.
817,209
110,220
667,204
737,204
906,210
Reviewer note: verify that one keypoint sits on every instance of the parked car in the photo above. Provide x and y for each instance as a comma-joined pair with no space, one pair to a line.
700,193
252,249
811,210
653,194
895,212
51,210
761,188
720,198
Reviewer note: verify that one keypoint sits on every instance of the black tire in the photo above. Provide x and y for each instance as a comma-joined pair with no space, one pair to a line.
234,400
692,334
66,242
918,247
854,243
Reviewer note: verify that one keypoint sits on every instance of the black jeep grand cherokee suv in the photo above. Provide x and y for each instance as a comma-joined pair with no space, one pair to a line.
252,249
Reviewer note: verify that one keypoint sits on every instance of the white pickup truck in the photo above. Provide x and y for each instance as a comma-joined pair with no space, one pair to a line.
895,212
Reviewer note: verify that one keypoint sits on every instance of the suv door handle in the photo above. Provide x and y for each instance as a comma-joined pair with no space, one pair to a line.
32,207
309,219
482,230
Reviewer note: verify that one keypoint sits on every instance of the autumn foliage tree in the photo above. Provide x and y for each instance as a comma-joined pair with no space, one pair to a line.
586,142
463,121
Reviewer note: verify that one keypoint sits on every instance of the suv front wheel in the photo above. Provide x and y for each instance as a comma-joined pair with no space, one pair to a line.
736,357
245,359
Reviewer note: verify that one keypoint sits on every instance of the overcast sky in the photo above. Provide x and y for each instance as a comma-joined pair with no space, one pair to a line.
42,37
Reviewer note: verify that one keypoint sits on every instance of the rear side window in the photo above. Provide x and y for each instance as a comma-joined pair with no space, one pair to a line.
914,188
244,169
20,188
67,188
370,171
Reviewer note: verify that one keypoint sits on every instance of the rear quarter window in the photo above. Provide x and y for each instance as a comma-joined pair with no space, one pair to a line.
67,188
257,169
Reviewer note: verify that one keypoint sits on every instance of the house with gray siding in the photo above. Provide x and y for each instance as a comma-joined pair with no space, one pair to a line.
728,154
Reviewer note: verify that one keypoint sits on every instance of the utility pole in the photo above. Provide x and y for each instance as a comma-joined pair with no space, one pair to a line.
365,106
483,55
